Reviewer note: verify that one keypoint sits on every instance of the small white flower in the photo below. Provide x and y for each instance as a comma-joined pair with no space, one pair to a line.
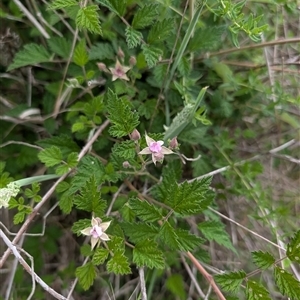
97,231
11,190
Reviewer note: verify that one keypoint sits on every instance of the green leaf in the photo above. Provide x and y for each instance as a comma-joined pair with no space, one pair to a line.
255,290
152,54
118,264
138,232
62,169
123,120
100,256
144,210
293,248
176,284
169,237
116,244
60,46
263,260
133,37
72,160
214,231
188,241
144,16
88,18
160,31
80,56
86,275
89,198
286,283
66,203
101,51
80,225
184,67
206,39
187,198
117,6
59,4
65,143
31,54
231,282
50,156
125,149
146,253
19,217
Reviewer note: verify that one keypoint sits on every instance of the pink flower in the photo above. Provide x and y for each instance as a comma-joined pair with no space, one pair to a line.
97,231
119,71
156,149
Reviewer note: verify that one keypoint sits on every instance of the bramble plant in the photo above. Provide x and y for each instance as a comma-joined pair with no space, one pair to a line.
131,113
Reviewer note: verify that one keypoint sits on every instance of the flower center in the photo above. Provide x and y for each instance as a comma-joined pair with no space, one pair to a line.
119,72
155,147
96,231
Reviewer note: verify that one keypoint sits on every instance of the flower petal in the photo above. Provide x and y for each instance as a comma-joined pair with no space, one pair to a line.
149,140
160,142
86,231
165,150
94,242
94,221
104,237
145,151
104,225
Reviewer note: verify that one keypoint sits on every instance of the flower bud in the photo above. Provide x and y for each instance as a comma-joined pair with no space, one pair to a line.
102,67
135,135
132,61
126,165
121,53
173,143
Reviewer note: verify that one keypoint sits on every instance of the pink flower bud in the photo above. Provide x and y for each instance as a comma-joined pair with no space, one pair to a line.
126,165
173,143
135,135
102,67
121,53
132,61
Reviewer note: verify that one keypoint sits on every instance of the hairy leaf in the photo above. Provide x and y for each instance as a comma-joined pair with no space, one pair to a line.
80,225
144,210
101,51
80,56
231,282
138,232
118,264
188,241
293,248
59,4
86,275
125,149
169,237
116,6
152,54
160,31
255,290
31,54
144,16
263,260
100,256
88,18
50,156
133,37
60,46
146,253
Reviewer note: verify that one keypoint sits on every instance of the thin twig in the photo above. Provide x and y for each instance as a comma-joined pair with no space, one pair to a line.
143,284
28,269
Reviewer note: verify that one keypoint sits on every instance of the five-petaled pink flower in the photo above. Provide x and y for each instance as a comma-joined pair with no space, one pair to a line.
156,149
119,71
97,231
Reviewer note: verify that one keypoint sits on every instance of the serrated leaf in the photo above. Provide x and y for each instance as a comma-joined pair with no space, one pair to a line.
287,284
19,217
116,244
144,16
86,275
90,199
188,241
80,56
255,290
31,54
152,54
125,149
118,264
86,250
160,31
66,203
123,120
72,160
263,260
101,51
133,37
80,225
60,46
169,237
214,231
62,169
144,210
100,256
138,232
184,67
50,156
88,18
59,4
147,254
293,248
117,6
231,282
